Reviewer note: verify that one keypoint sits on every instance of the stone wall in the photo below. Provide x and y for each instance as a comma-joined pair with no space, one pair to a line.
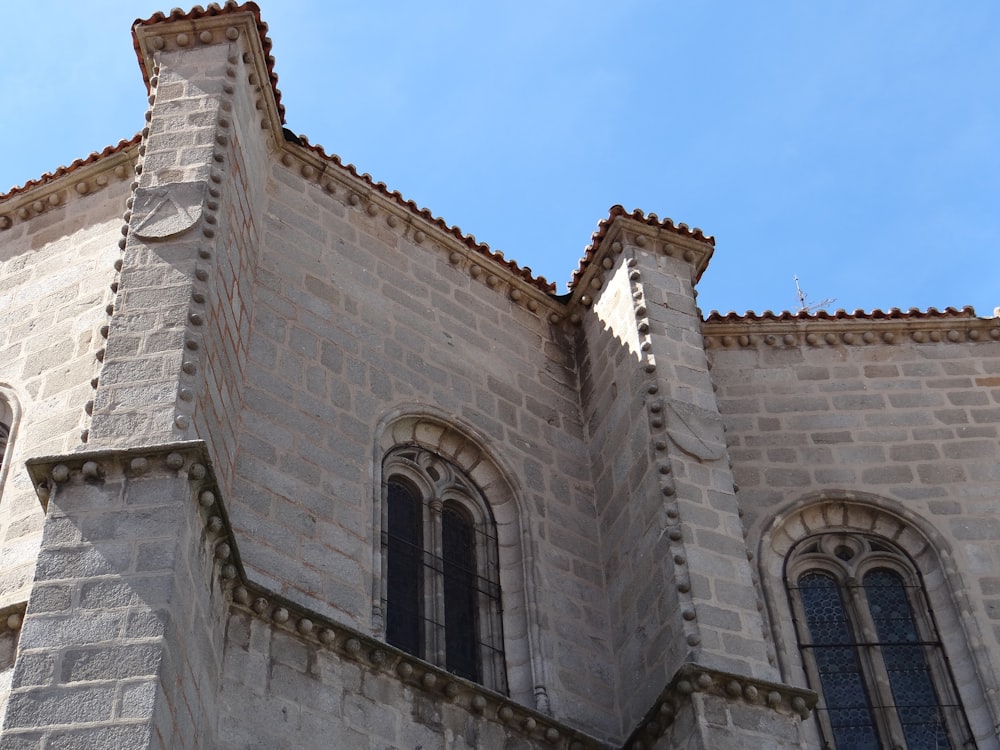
908,425
57,252
361,315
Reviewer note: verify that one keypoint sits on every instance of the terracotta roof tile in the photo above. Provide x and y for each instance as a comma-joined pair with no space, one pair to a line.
215,10
62,171
467,239
652,220
893,314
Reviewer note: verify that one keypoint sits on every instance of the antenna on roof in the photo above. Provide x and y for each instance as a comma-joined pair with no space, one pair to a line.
804,304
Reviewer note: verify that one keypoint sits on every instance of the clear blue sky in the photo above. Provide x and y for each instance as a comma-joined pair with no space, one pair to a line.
856,144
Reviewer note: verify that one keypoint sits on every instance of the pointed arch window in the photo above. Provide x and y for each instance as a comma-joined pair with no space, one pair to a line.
441,593
871,647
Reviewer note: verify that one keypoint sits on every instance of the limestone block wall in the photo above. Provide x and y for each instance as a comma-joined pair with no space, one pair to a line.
362,313
56,266
908,422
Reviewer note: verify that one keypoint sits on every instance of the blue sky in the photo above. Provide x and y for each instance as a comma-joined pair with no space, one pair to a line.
856,145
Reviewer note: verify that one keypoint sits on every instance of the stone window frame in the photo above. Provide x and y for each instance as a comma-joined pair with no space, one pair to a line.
464,447
931,558
847,557
438,485
10,416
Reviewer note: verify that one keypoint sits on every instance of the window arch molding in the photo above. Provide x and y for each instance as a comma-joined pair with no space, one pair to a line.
923,547
463,447
10,417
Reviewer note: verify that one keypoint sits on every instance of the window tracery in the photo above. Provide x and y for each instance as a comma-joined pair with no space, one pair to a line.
441,597
870,645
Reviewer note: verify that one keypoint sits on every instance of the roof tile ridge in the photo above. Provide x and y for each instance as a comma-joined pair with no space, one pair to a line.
893,313
214,9
468,240
651,219
91,158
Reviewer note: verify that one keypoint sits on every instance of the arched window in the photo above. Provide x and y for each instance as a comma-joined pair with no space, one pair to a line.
871,647
6,425
442,591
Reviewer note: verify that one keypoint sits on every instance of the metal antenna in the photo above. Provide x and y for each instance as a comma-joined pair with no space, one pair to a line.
804,304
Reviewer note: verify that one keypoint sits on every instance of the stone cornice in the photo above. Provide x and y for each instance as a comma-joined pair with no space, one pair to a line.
417,226
82,177
184,458
190,460
861,330
230,25
625,230
693,678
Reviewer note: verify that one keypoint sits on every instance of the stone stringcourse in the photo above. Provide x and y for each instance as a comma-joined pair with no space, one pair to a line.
190,459
692,678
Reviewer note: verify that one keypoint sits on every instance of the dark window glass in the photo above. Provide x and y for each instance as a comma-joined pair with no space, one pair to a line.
405,570
905,661
460,598
834,650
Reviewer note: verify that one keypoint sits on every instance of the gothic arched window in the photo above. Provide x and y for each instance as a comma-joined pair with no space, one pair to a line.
441,590
871,647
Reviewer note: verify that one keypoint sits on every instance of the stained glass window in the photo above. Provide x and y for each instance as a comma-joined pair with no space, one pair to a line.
871,646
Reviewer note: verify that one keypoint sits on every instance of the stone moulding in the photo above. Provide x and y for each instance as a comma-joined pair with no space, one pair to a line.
11,617
237,22
341,182
850,330
190,460
693,678
83,177
626,231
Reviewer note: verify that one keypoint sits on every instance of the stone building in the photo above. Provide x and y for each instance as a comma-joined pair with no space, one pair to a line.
290,463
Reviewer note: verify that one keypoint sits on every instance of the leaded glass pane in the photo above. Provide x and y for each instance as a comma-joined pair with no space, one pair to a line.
404,570
835,654
906,663
460,596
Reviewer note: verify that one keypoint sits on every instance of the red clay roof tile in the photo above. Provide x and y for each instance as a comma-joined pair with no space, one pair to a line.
62,171
652,220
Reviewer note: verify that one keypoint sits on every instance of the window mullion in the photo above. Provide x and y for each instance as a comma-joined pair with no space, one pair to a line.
873,663
434,572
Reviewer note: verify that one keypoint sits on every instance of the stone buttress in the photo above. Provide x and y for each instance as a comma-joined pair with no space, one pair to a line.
693,660
122,641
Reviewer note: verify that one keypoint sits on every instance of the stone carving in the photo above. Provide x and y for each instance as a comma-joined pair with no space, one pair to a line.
696,431
167,210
